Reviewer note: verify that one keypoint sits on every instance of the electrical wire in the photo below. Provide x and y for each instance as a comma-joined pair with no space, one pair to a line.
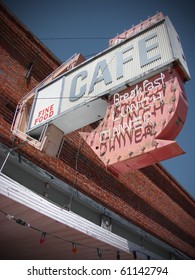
68,205
74,243
13,148
74,38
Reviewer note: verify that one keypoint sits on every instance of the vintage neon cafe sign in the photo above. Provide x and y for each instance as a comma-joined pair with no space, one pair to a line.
135,88
149,49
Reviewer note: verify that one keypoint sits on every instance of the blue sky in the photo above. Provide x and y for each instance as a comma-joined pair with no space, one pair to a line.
68,27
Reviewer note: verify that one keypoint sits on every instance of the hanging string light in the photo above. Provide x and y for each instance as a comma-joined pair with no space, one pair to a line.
74,245
74,248
118,256
21,222
135,255
99,253
9,217
42,239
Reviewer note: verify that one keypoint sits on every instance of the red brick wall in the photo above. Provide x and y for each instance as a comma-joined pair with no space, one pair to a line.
149,198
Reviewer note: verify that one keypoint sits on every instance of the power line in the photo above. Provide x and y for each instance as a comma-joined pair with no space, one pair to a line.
74,38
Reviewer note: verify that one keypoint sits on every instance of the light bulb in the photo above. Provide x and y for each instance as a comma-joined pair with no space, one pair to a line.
42,239
74,248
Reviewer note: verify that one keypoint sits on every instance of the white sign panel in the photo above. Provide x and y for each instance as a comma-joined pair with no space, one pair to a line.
131,61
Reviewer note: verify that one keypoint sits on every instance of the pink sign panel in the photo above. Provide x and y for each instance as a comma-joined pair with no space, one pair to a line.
141,124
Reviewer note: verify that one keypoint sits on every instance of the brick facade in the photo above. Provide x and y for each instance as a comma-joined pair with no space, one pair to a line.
149,198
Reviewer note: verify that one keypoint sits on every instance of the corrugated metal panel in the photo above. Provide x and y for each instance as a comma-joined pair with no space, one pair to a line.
24,204
133,60
163,49
177,48
132,69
